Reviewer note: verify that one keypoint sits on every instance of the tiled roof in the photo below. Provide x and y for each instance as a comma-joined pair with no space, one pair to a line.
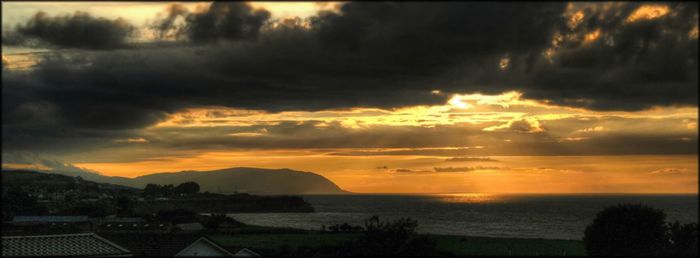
152,244
87,244
245,252
50,219
194,248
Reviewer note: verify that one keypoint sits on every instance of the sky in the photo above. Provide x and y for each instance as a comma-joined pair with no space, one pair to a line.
545,97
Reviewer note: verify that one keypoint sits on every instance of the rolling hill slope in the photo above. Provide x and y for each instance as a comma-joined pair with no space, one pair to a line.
230,180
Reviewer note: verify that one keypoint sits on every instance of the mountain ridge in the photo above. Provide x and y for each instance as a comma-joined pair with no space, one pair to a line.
262,181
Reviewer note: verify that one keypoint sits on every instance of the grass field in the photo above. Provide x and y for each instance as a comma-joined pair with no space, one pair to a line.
489,246
457,245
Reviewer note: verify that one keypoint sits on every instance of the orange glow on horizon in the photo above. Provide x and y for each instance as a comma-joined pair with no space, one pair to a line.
520,174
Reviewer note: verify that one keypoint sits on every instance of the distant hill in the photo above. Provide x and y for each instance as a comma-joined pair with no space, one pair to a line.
249,180
41,182
230,180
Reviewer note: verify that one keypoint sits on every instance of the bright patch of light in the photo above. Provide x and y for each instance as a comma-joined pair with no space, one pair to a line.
575,20
457,101
132,140
648,12
505,62
592,36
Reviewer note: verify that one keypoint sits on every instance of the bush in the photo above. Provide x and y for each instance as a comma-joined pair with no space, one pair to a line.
628,230
394,238
187,188
343,228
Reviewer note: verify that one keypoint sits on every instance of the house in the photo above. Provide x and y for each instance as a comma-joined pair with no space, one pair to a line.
52,219
86,244
64,224
204,246
135,226
114,224
245,252
168,244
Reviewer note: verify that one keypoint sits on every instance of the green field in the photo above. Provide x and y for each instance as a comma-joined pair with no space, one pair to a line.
457,245
489,246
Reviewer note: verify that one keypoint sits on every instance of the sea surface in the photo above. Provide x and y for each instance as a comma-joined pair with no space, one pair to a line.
492,215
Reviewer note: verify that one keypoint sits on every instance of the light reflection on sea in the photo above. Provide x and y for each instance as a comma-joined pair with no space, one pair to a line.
494,215
470,198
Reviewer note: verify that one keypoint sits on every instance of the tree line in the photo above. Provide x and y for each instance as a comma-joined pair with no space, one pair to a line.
183,189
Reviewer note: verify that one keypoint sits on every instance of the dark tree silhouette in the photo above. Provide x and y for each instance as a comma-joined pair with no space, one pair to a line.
627,230
187,188
177,216
91,209
154,190
151,190
125,206
17,202
394,238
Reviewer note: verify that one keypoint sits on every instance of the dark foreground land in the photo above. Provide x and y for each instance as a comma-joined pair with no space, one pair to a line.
277,243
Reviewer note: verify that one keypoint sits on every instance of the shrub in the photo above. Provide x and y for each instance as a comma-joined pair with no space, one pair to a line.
628,230
394,238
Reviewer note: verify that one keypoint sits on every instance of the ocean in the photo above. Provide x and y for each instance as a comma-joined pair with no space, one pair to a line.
491,215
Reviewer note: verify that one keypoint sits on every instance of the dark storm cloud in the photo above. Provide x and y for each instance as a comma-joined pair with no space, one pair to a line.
166,24
222,20
382,55
227,20
393,63
79,30
631,66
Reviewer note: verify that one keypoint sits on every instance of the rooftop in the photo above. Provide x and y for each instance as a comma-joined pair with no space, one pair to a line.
50,219
153,244
86,244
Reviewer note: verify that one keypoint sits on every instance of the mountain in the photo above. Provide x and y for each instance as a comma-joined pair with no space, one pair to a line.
39,182
249,180
230,180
